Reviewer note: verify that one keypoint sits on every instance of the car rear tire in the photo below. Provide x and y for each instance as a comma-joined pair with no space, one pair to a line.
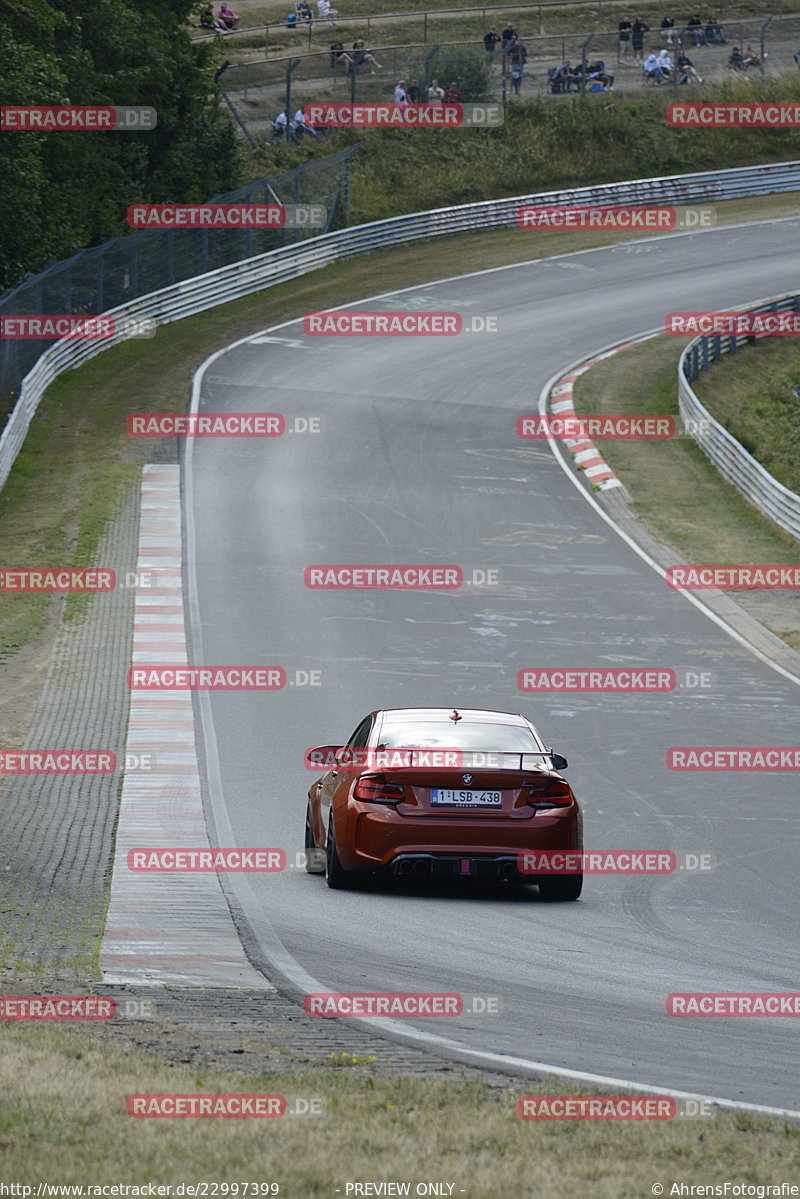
315,863
560,888
337,878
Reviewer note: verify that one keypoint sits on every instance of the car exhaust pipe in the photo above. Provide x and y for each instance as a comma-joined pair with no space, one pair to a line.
404,867
422,866
508,871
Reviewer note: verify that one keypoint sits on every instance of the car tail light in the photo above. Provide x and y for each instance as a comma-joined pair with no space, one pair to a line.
553,794
375,788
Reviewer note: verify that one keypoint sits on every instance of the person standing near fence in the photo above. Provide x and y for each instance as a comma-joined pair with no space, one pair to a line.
510,35
624,33
517,59
638,30
490,40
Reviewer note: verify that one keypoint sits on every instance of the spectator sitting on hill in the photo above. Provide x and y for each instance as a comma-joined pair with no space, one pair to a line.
452,95
339,56
687,70
665,63
597,71
736,59
207,19
694,26
668,26
227,18
302,126
303,10
562,78
362,55
326,12
652,70
435,93
714,32
749,57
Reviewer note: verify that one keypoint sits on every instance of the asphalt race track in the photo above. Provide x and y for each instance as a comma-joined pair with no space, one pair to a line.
417,461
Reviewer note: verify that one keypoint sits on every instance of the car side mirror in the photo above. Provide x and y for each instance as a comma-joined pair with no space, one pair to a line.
323,757
559,761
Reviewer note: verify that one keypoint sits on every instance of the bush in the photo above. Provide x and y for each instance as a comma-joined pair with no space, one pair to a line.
468,68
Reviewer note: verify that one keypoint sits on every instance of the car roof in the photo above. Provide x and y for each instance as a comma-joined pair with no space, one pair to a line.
436,715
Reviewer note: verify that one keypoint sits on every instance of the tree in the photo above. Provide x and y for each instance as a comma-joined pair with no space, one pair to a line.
70,190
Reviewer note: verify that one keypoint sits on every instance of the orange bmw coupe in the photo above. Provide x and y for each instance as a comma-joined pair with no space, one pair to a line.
444,793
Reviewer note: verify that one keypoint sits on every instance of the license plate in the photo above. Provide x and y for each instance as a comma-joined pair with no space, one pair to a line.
442,797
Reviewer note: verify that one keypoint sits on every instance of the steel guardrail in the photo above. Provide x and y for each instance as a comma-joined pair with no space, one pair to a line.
233,281
730,458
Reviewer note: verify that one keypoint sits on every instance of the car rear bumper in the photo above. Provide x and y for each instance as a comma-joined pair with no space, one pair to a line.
500,867
379,839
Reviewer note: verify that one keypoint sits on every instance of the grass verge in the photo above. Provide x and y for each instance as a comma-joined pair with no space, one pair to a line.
752,394
676,492
63,1119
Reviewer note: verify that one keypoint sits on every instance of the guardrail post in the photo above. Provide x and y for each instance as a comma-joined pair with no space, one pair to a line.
290,137
428,58
584,45
170,257
762,42
231,105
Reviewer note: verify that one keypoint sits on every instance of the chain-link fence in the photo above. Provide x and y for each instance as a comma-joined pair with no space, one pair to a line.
257,89
442,24
99,279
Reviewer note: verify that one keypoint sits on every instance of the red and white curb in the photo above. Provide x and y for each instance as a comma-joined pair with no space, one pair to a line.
165,927
584,452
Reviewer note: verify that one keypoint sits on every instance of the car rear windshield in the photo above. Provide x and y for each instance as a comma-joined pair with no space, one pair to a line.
462,734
